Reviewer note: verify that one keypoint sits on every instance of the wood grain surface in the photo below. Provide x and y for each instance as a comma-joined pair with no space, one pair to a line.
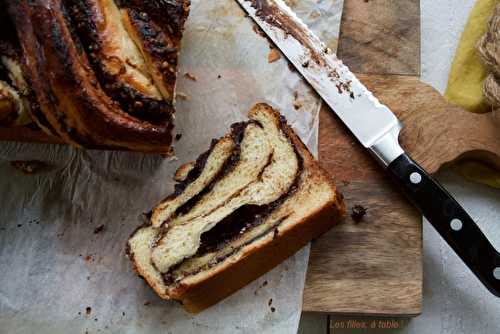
436,132
381,36
375,267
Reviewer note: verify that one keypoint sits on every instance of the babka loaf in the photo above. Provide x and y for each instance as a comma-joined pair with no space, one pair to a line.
14,91
253,199
100,73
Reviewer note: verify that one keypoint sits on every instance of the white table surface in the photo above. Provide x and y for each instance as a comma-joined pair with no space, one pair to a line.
454,300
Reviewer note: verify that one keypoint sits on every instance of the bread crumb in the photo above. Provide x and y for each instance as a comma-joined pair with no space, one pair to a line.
260,287
182,96
190,76
99,229
273,309
28,167
274,55
270,302
258,30
358,212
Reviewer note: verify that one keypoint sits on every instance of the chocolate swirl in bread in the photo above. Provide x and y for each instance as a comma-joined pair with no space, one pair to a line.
256,187
16,98
103,71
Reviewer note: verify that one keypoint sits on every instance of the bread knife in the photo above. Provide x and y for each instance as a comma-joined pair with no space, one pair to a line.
377,129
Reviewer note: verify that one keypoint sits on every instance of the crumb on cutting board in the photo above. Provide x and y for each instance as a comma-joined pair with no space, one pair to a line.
99,229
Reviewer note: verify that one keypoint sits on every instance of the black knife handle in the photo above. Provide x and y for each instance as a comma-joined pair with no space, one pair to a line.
450,220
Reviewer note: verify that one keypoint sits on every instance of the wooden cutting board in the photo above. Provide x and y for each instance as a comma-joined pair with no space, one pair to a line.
374,267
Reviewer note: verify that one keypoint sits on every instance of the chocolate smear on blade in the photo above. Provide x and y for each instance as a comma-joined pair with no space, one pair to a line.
270,13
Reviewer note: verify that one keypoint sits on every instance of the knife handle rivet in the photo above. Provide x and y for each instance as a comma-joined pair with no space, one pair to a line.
415,178
456,224
496,273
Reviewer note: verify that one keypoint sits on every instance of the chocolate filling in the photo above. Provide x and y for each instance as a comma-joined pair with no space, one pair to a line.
270,13
86,36
10,47
166,14
241,221
237,133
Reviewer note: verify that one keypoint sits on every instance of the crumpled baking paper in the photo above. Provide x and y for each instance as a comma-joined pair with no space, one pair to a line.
63,230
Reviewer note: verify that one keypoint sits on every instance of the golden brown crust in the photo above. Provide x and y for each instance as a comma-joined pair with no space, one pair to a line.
27,134
139,270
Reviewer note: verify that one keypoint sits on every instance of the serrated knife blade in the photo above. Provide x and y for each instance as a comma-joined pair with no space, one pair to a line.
377,129
364,115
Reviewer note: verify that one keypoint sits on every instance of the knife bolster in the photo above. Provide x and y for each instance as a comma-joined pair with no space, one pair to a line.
387,148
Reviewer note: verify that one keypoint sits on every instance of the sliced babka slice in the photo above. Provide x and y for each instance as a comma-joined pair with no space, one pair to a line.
252,200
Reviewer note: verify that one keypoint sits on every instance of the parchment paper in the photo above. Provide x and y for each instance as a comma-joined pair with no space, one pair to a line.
59,276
